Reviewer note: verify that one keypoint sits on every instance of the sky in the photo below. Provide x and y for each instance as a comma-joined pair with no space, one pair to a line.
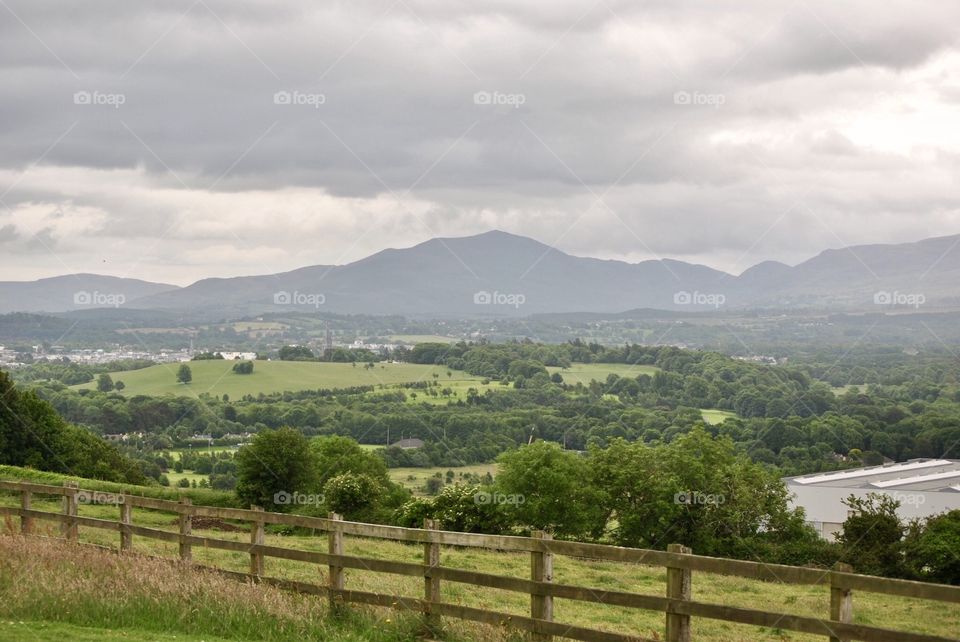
172,141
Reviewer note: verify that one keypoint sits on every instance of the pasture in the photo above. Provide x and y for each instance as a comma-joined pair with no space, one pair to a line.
586,372
216,377
713,417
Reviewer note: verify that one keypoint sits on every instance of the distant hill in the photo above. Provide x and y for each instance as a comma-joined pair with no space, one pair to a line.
74,292
498,274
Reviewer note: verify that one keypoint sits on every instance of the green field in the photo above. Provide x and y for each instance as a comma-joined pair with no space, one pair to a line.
216,377
717,416
414,478
586,372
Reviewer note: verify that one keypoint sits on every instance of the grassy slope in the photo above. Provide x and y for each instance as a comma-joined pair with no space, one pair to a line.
52,590
893,612
216,377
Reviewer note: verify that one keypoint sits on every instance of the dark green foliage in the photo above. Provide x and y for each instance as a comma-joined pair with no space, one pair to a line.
243,367
276,465
932,548
872,536
33,434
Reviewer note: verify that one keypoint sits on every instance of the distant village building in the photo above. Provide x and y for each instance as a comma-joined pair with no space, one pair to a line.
924,487
234,356
408,444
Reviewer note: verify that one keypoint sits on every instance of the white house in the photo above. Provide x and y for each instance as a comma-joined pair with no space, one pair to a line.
924,487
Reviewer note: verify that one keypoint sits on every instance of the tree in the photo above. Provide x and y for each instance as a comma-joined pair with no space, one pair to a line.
544,489
243,367
119,385
433,485
32,434
931,548
338,455
105,383
295,353
352,495
872,537
276,464
184,374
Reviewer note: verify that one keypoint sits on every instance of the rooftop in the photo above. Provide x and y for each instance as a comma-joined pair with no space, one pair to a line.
912,475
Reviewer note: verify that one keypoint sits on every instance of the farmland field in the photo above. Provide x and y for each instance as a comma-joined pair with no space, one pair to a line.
586,372
217,377
716,416
419,476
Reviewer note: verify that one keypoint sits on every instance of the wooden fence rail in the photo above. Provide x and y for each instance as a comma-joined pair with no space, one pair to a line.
677,604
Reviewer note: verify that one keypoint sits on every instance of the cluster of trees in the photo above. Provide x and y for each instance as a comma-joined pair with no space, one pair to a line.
32,434
875,541
697,490
281,470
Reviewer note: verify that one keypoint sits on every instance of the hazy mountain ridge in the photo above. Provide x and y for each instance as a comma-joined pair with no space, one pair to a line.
502,274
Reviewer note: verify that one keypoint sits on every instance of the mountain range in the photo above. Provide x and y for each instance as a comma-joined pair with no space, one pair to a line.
502,274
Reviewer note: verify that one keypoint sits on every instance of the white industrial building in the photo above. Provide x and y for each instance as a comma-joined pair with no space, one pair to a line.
924,487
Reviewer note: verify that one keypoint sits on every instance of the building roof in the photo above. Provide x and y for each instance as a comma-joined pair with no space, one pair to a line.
913,475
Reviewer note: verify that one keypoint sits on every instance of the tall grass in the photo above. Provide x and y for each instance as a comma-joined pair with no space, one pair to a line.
48,580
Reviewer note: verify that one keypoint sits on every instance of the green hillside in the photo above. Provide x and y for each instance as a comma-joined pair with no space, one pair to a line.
217,377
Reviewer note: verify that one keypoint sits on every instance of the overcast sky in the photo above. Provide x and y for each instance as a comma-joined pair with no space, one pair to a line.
176,140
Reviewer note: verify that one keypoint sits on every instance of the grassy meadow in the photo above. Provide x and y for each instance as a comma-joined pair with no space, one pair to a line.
586,372
216,377
76,587
415,478
717,416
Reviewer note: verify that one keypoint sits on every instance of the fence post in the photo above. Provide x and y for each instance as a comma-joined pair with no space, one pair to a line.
841,600
678,588
26,523
126,520
431,584
541,570
186,529
68,527
335,579
257,538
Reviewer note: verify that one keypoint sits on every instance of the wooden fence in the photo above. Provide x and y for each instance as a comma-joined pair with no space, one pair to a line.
676,604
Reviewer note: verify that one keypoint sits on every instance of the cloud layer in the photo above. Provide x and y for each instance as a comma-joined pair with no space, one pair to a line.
176,140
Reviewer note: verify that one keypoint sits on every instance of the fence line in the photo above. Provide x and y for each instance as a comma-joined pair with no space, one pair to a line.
679,561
